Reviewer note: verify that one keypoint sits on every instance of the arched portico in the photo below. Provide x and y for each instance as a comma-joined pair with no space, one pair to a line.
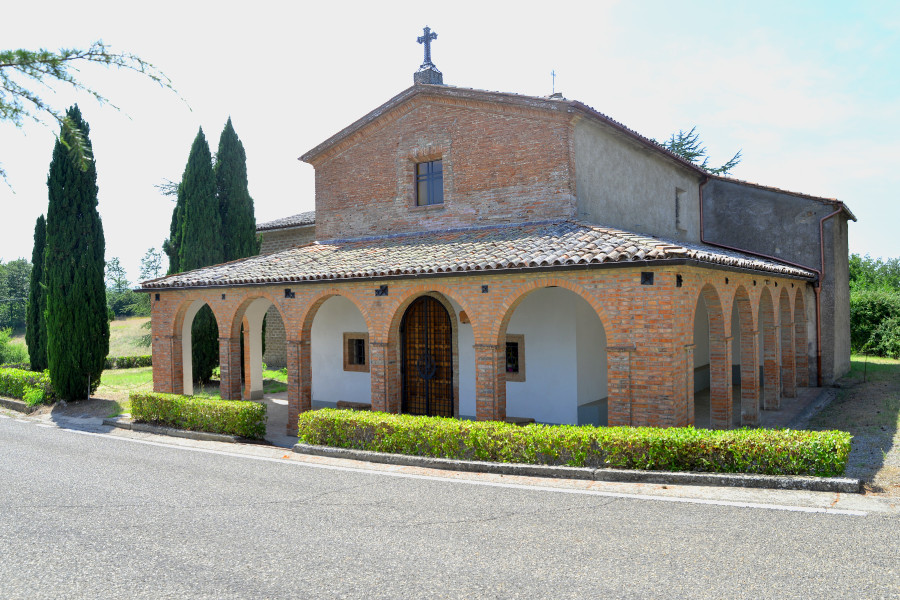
786,327
769,352
247,325
713,356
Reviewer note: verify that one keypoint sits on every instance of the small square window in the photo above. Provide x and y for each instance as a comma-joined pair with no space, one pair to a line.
515,357
429,183
356,352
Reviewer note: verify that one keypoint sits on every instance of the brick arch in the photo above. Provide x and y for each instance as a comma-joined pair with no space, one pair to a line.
181,376
388,346
236,317
720,396
749,353
442,293
497,331
786,326
769,343
248,315
801,340
315,302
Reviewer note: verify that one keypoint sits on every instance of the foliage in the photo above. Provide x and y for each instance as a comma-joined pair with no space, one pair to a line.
875,305
687,144
151,264
772,452
235,204
120,298
15,383
36,326
33,396
867,273
128,362
234,417
9,352
77,325
14,278
205,344
22,70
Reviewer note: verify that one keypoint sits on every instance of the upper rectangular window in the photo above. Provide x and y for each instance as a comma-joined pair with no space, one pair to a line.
429,183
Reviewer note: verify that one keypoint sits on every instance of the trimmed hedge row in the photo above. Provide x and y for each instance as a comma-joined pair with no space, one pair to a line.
233,417
128,362
762,451
26,385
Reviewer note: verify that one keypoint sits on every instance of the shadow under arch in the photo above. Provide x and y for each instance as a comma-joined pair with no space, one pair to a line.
770,382
719,359
183,380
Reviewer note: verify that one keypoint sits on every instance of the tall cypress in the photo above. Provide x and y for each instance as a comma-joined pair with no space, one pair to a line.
36,327
172,246
200,245
76,319
235,204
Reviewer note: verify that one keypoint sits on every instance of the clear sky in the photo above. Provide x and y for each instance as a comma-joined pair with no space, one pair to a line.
810,91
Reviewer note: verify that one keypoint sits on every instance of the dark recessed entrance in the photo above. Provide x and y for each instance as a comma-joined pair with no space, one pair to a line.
426,361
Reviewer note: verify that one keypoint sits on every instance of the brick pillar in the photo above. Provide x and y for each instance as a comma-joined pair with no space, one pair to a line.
297,355
247,390
490,383
689,383
788,373
379,367
230,368
167,377
772,389
618,386
720,394
801,360
749,378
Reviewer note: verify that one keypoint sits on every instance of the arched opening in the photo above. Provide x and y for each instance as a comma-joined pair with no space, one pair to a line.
714,395
426,359
554,344
801,340
275,347
199,345
248,325
770,378
339,355
788,373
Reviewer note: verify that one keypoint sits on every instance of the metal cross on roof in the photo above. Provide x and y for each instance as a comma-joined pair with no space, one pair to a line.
426,39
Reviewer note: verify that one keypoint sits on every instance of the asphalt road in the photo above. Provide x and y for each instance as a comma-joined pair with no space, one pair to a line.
99,516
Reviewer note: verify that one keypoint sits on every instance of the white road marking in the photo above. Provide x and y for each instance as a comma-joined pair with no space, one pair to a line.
22,421
755,505
46,425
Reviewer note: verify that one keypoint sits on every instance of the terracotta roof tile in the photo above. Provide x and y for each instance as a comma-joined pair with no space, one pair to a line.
531,245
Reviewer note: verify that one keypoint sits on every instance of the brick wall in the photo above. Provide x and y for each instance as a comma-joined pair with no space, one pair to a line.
276,240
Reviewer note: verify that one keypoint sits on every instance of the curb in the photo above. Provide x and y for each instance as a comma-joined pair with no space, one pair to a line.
779,482
18,405
123,423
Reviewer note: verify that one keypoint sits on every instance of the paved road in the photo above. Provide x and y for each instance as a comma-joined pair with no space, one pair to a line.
112,516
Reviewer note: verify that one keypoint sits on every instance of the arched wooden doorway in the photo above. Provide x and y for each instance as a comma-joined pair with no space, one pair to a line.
426,361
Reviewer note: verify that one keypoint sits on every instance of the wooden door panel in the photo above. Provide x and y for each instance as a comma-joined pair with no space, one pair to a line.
427,359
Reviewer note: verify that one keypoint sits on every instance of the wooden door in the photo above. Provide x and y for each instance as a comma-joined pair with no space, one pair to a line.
426,362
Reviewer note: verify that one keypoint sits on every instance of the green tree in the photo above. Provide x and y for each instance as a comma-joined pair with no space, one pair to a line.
172,245
151,264
14,277
24,72
687,144
235,204
36,328
120,298
77,325
199,244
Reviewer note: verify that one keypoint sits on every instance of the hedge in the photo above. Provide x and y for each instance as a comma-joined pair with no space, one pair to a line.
128,362
763,451
19,383
233,417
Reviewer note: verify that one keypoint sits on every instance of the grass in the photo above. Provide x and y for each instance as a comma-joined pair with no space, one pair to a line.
126,336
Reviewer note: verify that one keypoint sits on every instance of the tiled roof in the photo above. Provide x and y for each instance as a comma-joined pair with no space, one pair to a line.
532,245
298,220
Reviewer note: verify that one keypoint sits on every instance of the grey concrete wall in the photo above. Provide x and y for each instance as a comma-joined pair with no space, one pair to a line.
787,226
622,184
277,240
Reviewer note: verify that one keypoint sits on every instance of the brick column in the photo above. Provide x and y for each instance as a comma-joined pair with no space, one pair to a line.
299,383
379,374
771,374
689,382
720,394
490,383
749,378
788,373
247,391
230,368
167,377
618,385
801,360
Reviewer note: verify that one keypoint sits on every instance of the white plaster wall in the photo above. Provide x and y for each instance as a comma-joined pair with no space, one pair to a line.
735,335
701,335
330,382
625,185
555,329
466,366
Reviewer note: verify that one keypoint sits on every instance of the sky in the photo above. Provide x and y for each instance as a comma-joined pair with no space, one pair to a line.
808,91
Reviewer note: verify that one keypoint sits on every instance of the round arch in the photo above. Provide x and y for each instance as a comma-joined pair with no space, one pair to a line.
711,342
786,322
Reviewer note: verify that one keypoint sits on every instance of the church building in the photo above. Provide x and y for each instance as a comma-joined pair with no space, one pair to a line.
487,255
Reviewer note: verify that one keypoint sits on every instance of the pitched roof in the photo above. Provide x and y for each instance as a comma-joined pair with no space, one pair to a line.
560,244
298,220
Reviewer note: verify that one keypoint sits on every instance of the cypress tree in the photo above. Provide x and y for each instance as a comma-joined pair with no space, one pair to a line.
235,204
172,246
76,319
200,245
36,327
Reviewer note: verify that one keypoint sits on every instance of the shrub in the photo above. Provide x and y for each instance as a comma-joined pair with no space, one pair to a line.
33,395
128,362
15,383
874,320
773,452
234,417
